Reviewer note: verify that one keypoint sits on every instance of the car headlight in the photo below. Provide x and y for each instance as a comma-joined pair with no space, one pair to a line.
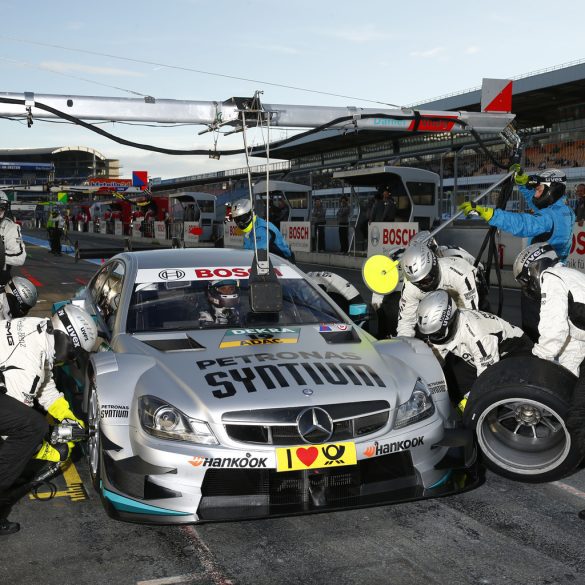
418,407
161,419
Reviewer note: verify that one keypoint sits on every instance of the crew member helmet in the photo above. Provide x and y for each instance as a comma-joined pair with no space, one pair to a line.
555,184
4,202
420,266
21,296
530,264
436,318
74,332
424,238
243,214
224,294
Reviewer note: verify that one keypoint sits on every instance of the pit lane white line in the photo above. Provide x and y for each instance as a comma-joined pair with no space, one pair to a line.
189,578
569,488
205,557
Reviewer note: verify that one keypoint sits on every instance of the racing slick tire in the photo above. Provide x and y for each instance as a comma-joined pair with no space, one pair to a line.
94,450
518,409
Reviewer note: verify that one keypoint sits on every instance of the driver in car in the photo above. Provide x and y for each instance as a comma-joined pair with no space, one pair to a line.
224,303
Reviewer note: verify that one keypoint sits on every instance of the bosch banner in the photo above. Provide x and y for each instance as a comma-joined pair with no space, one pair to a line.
384,238
297,234
576,258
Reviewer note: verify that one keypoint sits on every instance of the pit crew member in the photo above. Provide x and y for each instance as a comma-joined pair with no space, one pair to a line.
423,273
254,229
14,250
19,297
29,348
469,341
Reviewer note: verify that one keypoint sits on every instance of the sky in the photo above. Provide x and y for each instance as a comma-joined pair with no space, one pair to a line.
368,51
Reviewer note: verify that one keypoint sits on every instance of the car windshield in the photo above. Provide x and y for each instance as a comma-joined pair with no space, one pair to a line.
196,304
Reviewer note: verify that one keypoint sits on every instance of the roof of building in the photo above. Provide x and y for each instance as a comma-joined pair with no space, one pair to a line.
31,152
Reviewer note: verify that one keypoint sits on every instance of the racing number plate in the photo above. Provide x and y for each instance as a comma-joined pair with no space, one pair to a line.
315,456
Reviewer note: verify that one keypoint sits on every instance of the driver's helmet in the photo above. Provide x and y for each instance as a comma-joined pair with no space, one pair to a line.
436,318
529,265
4,202
224,294
21,296
420,266
243,214
74,332
555,185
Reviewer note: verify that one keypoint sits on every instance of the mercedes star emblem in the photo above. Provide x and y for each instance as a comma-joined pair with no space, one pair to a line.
315,425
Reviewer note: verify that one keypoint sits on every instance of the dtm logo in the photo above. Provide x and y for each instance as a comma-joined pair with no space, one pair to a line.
171,274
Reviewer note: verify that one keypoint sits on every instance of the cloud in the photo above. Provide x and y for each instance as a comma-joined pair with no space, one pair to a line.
471,50
429,53
359,34
62,67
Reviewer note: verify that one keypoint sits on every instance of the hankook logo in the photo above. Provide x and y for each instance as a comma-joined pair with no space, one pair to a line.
315,425
171,274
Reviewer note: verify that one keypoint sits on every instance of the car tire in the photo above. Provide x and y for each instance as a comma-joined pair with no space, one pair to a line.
94,451
518,409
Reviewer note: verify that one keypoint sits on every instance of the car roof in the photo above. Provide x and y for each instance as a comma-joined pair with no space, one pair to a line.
181,257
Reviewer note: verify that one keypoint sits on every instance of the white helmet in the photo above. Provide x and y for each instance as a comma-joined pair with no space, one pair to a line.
74,331
529,265
242,214
4,202
420,266
21,295
436,317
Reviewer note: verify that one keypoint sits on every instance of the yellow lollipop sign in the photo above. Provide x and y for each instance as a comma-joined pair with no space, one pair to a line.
381,274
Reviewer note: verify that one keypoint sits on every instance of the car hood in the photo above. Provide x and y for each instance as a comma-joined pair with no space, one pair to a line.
207,373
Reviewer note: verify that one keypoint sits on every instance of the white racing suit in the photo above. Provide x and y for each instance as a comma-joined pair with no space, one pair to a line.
14,250
562,317
480,339
457,278
26,361
229,317
5,314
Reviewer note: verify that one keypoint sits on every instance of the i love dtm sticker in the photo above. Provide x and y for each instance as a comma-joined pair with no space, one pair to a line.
315,456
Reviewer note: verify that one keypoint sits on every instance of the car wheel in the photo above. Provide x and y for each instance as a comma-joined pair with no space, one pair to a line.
94,441
518,410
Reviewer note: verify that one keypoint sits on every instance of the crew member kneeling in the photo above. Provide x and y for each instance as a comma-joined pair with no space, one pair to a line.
469,341
30,347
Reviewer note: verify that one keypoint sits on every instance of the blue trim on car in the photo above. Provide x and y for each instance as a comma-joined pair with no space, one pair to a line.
443,480
124,504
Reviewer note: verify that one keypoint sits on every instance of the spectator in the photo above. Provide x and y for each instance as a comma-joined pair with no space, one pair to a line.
168,223
389,212
318,221
280,213
580,205
343,222
377,209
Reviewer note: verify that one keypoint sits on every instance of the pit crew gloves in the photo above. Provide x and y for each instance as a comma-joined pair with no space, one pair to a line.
520,178
60,410
55,453
468,207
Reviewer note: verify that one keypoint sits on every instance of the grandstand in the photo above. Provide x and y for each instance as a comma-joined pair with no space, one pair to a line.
550,116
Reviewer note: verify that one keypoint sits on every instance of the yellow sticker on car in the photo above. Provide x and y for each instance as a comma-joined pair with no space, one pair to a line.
315,456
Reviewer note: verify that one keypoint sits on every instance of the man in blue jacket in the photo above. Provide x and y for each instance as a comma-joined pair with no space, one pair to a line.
254,228
551,221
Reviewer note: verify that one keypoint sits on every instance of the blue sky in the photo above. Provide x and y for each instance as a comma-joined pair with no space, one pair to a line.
373,50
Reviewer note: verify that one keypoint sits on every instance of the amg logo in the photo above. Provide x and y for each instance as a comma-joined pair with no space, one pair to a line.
9,337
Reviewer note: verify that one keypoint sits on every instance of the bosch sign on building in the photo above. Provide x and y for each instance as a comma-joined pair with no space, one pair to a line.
384,238
297,234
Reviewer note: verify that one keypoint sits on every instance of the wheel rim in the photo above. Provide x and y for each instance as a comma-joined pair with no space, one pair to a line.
93,419
523,436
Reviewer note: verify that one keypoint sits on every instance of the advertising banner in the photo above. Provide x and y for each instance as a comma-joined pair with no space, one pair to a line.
232,236
118,231
576,258
160,230
190,232
384,238
136,228
297,234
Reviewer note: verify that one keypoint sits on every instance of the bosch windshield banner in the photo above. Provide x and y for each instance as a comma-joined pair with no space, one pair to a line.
297,235
385,238
207,273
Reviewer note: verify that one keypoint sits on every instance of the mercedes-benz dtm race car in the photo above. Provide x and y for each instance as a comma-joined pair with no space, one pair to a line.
201,409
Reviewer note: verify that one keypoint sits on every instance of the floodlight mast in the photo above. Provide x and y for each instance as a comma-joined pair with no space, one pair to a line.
229,112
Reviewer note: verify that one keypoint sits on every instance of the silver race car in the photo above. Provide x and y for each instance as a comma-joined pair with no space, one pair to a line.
200,408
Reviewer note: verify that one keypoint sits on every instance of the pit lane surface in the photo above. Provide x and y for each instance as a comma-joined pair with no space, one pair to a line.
501,533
